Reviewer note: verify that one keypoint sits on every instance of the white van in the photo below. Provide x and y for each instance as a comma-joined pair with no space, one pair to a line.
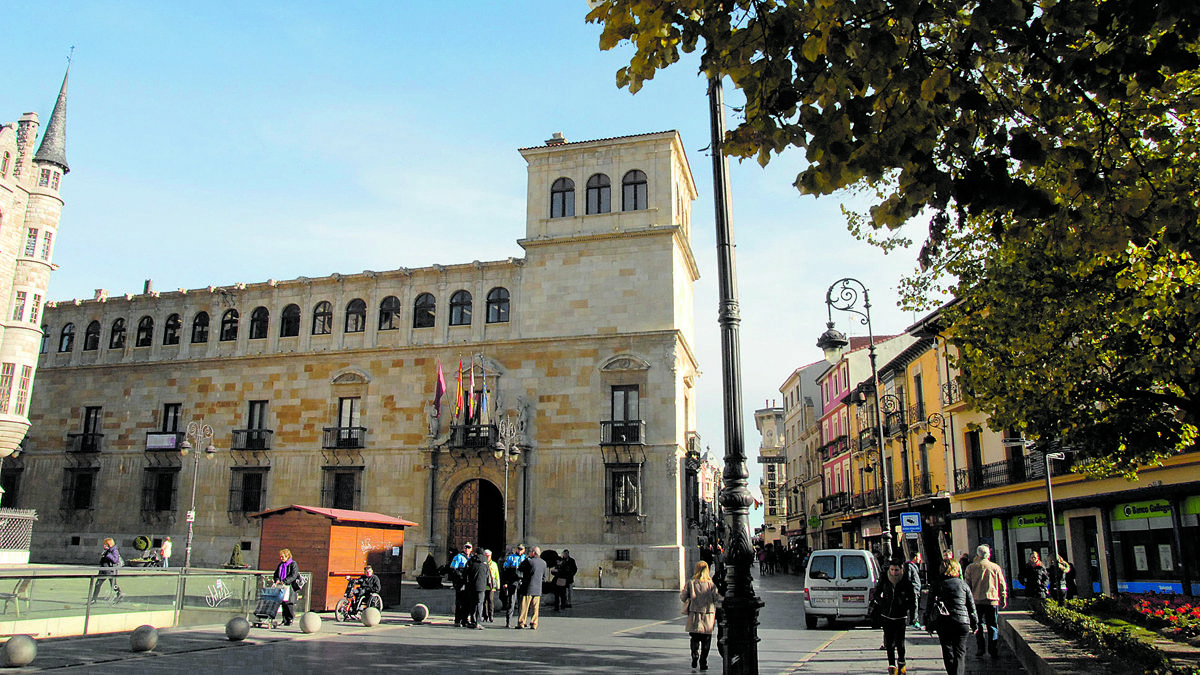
838,584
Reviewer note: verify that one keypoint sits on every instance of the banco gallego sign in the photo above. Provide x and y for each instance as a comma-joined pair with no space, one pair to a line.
1153,509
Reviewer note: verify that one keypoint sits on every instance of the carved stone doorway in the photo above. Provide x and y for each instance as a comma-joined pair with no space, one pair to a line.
477,516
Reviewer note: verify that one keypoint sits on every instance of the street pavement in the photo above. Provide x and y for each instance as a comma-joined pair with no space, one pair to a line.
606,631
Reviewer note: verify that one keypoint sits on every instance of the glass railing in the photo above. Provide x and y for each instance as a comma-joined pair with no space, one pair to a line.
65,601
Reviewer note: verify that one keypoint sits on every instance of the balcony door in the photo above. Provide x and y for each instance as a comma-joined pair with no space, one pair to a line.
348,420
625,416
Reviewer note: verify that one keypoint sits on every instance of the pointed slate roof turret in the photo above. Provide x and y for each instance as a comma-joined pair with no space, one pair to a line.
54,141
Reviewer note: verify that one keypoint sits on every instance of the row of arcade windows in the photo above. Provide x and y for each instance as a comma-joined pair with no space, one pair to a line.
424,314
635,192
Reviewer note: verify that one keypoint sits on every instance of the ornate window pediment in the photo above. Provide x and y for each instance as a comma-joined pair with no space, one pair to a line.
351,377
625,362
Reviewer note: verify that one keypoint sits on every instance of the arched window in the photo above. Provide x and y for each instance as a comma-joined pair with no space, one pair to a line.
229,325
259,319
289,325
460,309
424,310
171,330
356,316
145,332
497,305
634,191
66,340
91,337
599,194
116,336
389,313
322,318
562,198
200,328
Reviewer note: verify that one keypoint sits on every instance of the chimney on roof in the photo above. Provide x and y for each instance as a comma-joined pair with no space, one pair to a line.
557,139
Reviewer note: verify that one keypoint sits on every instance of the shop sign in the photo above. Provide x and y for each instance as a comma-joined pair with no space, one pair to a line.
871,528
1153,509
1028,520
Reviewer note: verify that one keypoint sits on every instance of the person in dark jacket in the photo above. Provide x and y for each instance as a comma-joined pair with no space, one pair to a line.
287,574
477,574
960,620
533,575
1035,577
893,607
111,557
564,578
510,577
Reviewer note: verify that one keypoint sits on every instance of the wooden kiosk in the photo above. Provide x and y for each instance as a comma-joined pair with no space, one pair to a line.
333,544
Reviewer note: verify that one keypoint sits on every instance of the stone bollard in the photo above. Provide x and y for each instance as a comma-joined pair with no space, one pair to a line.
237,628
419,613
310,622
143,638
371,617
19,650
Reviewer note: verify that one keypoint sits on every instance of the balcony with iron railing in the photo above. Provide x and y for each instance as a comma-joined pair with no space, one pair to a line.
251,439
85,442
344,438
866,439
474,435
623,432
952,393
1006,472
835,503
834,448
163,441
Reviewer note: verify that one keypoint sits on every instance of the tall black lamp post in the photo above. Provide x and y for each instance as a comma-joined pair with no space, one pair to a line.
741,605
844,295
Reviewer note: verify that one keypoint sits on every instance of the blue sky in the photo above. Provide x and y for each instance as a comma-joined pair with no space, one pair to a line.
222,142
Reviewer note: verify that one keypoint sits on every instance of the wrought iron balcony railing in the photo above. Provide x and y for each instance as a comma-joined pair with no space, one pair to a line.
252,439
85,442
474,435
623,432
345,438
1006,472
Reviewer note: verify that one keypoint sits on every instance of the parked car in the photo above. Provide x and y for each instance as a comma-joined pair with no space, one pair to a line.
838,584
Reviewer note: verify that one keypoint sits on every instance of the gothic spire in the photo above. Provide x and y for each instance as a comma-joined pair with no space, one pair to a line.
54,141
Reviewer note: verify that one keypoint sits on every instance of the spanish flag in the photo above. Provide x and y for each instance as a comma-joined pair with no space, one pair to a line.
458,402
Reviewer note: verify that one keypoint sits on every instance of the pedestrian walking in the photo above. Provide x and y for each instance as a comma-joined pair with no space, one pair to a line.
1059,569
533,575
893,607
164,552
952,614
109,558
493,589
510,576
912,573
699,598
1034,577
458,579
287,574
990,589
478,575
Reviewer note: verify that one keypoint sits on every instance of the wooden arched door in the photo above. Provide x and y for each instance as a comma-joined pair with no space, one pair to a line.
477,516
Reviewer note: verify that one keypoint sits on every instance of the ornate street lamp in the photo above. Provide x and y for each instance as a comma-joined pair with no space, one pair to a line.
843,295
509,432
198,434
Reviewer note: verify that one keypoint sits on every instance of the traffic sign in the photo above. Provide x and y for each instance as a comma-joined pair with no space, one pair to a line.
910,522
772,460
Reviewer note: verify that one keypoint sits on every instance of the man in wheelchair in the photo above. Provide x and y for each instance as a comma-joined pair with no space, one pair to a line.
363,588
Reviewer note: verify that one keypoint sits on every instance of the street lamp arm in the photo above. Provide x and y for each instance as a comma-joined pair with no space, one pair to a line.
844,294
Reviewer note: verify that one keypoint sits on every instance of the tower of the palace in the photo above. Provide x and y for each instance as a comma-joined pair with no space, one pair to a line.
30,206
